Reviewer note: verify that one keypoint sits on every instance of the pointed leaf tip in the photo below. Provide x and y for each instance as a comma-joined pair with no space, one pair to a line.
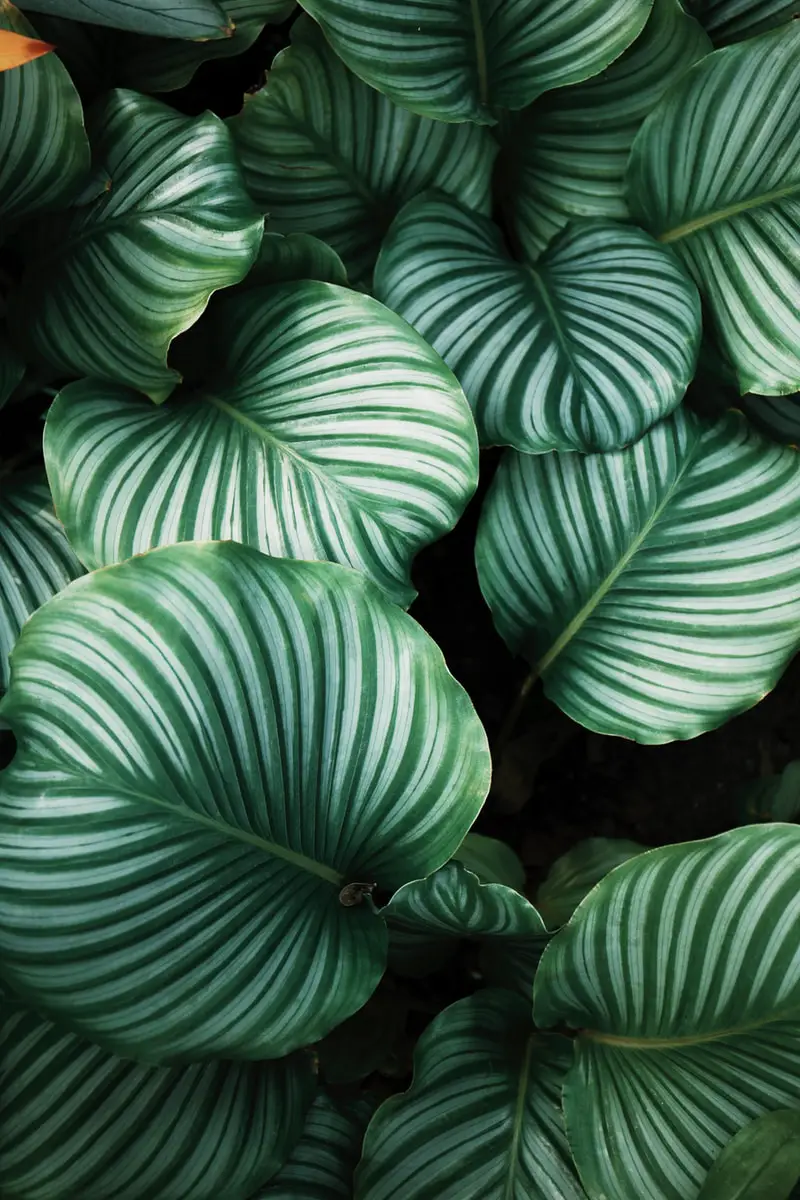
16,50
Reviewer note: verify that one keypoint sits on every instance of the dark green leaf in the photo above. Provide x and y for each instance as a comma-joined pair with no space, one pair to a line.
184,19
322,1164
762,1162
573,876
491,860
364,1042
283,258
734,20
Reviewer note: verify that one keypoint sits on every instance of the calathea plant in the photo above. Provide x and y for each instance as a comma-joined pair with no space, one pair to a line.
262,934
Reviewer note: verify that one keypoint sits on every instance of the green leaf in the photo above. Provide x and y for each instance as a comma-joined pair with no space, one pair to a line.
364,1042
12,368
114,280
322,1164
715,173
218,753
326,429
566,156
491,860
773,798
44,150
36,560
325,154
776,416
583,351
76,1121
482,1117
456,61
654,590
762,1162
573,876
735,20
681,972
185,19
283,258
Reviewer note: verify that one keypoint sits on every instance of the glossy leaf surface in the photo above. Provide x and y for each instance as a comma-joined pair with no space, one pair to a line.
762,1162
573,876
323,1161
225,743
184,19
656,590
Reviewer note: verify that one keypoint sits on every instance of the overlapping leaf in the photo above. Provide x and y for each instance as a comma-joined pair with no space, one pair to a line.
715,173
482,1117
329,430
457,61
76,1121
322,1164
681,971
762,1162
656,590
285,257
583,351
218,753
735,20
776,416
325,154
184,19
573,876
114,280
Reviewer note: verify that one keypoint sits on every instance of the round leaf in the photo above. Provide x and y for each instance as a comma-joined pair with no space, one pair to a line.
715,173
573,876
114,280
762,1162
218,753
329,430
456,61
583,351
76,1121
322,1164
482,1117
325,154
681,972
735,20
655,590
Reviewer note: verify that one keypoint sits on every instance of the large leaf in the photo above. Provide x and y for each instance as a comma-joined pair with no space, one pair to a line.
218,754
762,1162
567,155
657,590
457,61
583,351
573,876
715,173
36,560
325,154
326,429
44,150
323,1161
184,19
482,1119
76,1121
114,280
734,20
681,972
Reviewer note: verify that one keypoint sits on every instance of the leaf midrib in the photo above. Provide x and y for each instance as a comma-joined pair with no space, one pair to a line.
519,1115
724,214
691,1039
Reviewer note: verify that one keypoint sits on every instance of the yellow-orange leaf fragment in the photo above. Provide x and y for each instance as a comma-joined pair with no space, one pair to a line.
16,49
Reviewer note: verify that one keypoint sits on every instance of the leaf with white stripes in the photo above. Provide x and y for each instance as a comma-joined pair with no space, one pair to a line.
734,20
323,153
573,876
458,61
681,973
715,173
44,150
482,1118
323,1161
218,754
36,560
326,429
112,281
566,156
77,1121
584,350
179,19
656,591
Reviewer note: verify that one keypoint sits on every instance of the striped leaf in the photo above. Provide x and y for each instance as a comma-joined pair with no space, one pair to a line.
184,19
218,753
457,62
325,154
44,150
566,156
583,351
113,281
285,257
734,20
329,430
76,1121
323,1161
681,972
776,416
482,1119
657,590
762,1162
715,173
36,560
573,876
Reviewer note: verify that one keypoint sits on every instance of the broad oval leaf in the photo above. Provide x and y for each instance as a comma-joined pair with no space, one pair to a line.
585,350
457,61
77,1121
656,591
482,1117
322,1163
44,150
715,173
184,19
566,157
323,153
734,20
762,1162
36,560
681,972
326,429
114,280
573,876
218,754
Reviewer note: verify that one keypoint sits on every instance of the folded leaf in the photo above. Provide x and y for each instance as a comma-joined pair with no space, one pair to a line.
184,19
323,1161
